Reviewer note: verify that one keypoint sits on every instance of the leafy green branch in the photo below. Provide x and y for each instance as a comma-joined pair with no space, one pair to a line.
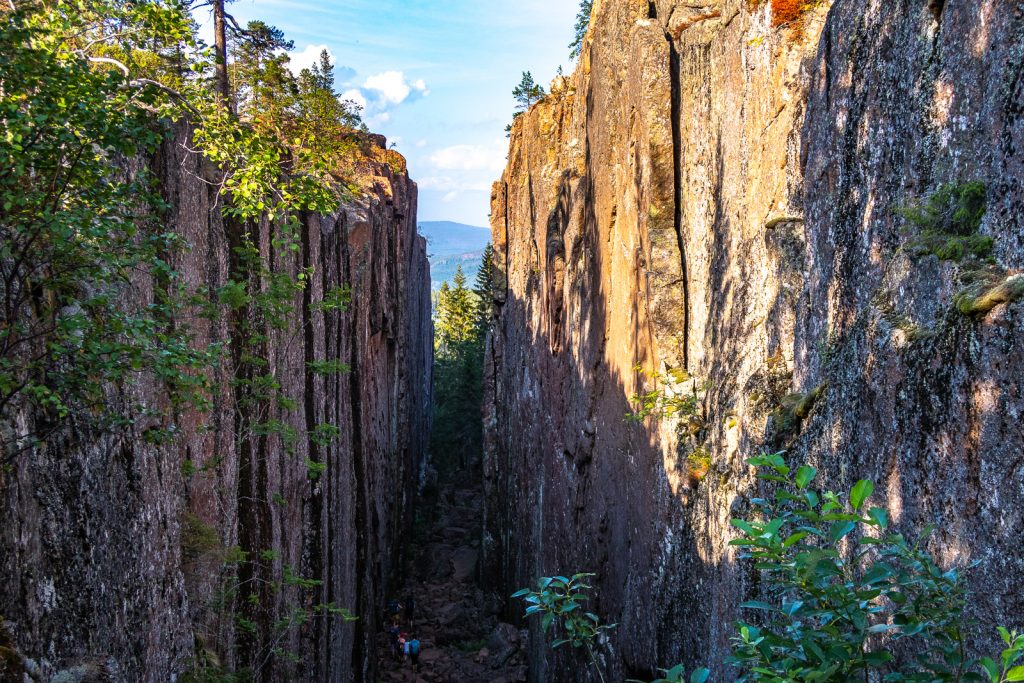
560,602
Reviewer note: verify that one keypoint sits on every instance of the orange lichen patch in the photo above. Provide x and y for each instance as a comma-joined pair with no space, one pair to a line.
787,12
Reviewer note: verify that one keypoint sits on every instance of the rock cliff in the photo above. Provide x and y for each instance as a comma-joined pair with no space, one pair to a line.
228,545
711,204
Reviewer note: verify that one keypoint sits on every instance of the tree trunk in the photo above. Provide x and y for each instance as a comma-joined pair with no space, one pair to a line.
221,49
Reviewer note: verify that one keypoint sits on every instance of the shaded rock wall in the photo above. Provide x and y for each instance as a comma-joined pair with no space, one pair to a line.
122,557
709,193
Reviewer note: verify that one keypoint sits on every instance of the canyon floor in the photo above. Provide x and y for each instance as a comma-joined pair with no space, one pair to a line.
455,619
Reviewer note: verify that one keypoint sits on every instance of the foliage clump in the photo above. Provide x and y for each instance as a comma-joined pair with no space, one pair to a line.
793,410
77,220
462,317
676,393
842,591
843,597
948,223
198,539
561,602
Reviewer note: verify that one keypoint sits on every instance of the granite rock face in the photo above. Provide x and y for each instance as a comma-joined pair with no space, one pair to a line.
121,557
709,204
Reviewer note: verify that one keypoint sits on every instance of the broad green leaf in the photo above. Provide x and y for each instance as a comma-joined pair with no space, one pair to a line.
860,492
1015,674
545,622
878,517
805,475
699,676
794,538
840,530
990,668
744,527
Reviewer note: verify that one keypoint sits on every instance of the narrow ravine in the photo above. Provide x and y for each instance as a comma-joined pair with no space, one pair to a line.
454,618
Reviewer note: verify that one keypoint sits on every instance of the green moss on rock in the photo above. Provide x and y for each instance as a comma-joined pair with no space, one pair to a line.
949,222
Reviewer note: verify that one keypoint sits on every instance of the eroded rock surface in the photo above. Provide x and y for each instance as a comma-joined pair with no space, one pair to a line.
711,194
122,555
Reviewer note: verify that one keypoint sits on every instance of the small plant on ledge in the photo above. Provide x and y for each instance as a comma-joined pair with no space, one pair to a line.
698,464
677,395
949,222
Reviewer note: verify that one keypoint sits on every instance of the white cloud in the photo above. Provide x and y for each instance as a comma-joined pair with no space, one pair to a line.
448,184
421,143
309,56
392,87
354,95
450,197
469,158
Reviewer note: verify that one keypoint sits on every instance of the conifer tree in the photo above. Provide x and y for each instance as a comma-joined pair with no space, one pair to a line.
456,316
527,92
580,30
264,87
484,289
458,375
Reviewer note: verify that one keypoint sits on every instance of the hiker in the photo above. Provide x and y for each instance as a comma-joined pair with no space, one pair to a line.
403,646
394,610
396,647
410,609
412,648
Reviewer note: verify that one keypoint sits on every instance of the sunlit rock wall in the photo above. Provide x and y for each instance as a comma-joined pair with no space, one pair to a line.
710,193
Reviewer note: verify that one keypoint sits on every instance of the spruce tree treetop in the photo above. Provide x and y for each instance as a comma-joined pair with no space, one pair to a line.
484,287
527,92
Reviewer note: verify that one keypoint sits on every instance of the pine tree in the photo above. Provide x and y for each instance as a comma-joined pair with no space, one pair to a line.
324,118
264,87
580,30
527,92
456,316
458,375
484,289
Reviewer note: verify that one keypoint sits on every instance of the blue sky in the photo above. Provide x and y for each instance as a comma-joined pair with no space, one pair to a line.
436,77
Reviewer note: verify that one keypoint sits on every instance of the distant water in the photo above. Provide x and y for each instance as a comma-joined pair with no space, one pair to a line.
450,245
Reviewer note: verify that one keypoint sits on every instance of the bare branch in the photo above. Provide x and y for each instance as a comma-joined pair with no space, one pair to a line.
114,62
143,82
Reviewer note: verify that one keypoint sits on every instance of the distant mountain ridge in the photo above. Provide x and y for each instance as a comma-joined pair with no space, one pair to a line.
450,245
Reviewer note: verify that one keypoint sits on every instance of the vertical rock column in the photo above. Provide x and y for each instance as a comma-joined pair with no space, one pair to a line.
126,552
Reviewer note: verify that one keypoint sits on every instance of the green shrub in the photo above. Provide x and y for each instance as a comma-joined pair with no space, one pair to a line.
841,594
198,538
663,402
560,602
471,646
841,590
949,221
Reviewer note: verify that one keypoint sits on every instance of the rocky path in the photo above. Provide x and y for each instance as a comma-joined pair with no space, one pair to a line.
455,619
